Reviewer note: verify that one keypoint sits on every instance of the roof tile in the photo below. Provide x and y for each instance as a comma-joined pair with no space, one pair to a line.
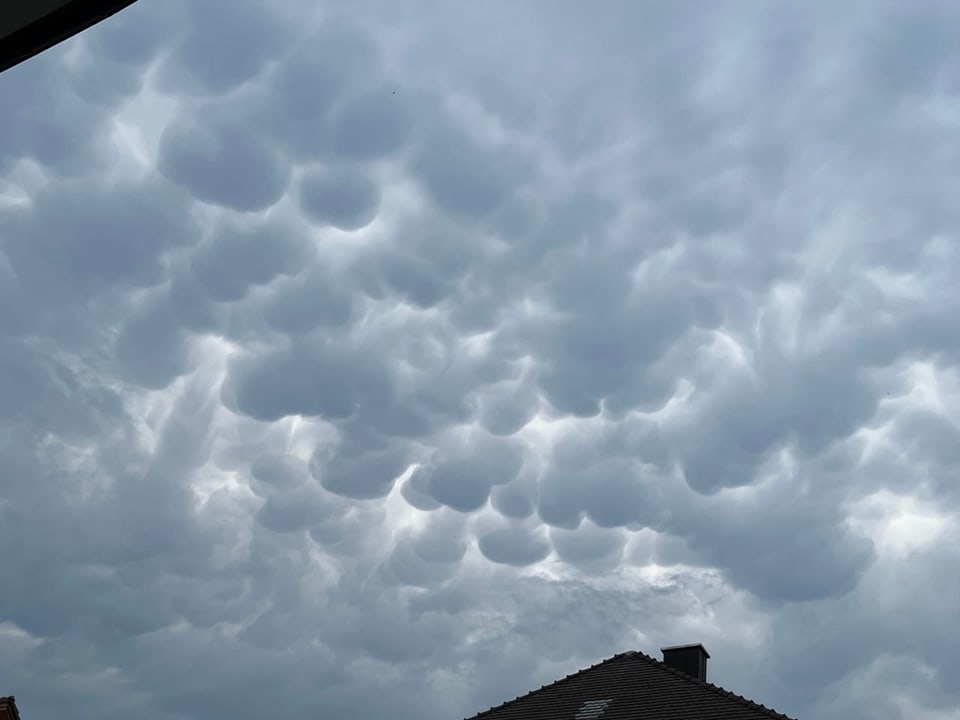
634,686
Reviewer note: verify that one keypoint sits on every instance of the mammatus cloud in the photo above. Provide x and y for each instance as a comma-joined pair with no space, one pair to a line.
346,200
227,163
398,360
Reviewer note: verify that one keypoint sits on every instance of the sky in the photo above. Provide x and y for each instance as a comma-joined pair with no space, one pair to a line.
372,359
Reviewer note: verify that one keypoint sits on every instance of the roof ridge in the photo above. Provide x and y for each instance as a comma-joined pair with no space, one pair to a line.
715,688
554,683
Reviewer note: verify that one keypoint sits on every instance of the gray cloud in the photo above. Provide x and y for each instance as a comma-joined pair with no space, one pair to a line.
371,125
81,238
590,549
513,546
462,177
240,257
346,200
224,162
152,349
134,37
220,45
365,467
325,64
430,556
314,300
31,129
462,475
648,336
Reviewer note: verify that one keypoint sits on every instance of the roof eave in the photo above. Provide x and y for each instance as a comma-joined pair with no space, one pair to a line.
55,27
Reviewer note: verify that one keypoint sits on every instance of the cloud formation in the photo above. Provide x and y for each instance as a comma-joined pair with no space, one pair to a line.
399,360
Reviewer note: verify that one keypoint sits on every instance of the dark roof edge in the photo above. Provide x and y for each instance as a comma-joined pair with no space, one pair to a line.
54,28
11,703
634,653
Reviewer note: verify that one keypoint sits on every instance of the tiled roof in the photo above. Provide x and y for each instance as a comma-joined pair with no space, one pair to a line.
630,686
8,709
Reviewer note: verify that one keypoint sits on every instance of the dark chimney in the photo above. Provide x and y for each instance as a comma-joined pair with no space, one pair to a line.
689,659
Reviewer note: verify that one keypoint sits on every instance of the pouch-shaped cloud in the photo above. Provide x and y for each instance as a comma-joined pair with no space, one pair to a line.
223,162
416,491
365,472
507,407
316,298
224,44
88,237
296,509
279,471
590,548
463,178
33,127
415,278
314,379
370,125
462,478
515,546
134,36
347,200
518,498
301,92
240,256
432,554
152,349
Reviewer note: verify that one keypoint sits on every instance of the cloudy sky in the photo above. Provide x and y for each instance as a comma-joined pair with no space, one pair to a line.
374,359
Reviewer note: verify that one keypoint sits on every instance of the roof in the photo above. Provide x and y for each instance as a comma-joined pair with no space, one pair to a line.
8,709
630,686
29,28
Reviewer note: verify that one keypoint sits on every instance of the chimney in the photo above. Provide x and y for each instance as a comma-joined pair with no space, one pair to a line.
689,659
